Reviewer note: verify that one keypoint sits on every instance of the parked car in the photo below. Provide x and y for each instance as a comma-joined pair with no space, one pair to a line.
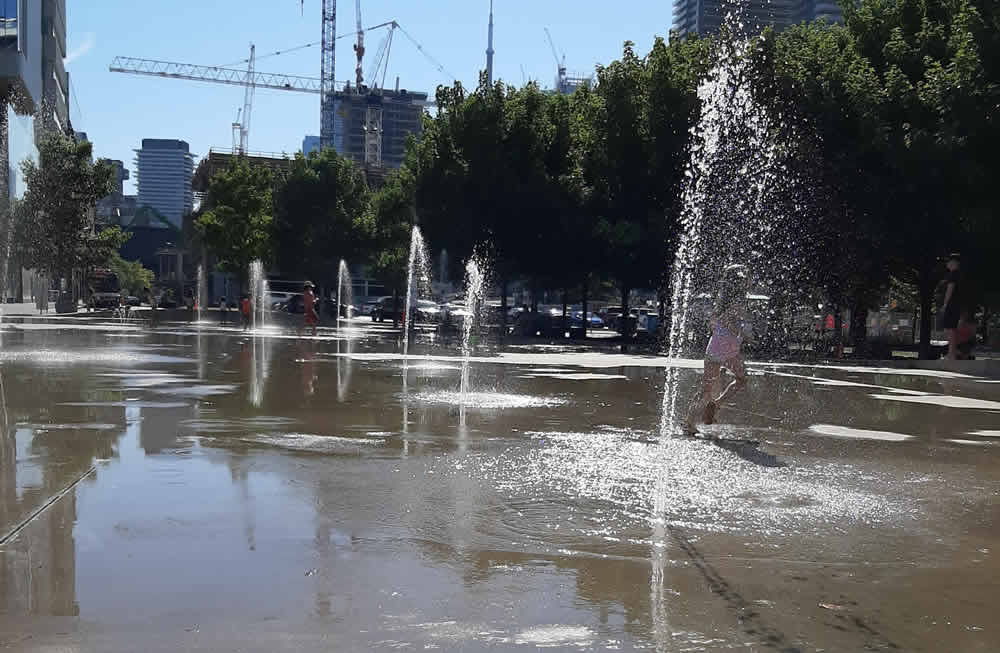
383,310
546,325
594,320
424,311
106,300
275,299
132,300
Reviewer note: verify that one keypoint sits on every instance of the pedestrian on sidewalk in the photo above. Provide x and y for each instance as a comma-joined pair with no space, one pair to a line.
310,318
954,303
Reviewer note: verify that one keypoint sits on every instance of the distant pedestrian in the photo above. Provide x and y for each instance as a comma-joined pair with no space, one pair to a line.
309,316
224,310
246,310
954,302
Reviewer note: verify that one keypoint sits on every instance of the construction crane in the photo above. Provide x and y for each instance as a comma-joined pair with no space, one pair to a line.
251,79
327,105
359,49
247,103
560,63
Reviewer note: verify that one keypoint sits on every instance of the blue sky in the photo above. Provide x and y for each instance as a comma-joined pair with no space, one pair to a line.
118,111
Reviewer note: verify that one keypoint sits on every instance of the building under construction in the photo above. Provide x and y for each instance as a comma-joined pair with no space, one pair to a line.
361,117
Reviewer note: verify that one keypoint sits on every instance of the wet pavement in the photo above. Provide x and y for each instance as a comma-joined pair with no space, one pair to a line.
170,489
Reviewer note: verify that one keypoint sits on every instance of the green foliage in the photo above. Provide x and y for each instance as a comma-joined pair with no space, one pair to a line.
133,278
388,224
54,228
237,224
319,213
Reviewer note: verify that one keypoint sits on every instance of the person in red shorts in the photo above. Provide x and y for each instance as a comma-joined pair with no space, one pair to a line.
310,316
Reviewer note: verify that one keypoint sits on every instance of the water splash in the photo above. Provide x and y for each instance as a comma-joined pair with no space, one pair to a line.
736,188
200,297
473,300
345,297
258,295
345,291
416,281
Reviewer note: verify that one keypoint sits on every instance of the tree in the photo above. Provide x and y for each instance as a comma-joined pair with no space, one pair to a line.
54,230
631,144
133,278
388,225
928,56
236,226
829,95
319,209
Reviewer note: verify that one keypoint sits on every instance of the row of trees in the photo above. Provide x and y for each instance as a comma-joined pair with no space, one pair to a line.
895,122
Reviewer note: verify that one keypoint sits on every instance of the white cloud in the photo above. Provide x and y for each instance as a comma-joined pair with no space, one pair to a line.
89,41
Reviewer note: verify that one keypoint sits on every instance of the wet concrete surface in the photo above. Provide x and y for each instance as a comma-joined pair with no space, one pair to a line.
167,490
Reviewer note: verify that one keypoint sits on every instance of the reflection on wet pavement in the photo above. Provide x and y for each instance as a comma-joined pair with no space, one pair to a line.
186,490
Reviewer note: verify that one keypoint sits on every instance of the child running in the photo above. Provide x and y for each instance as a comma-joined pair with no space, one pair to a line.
728,328
246,310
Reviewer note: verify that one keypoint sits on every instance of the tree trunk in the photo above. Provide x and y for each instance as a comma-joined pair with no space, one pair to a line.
19,292
586,314
565,307
534,298
926,287
395,308
503,312
625,329
838,331
859,324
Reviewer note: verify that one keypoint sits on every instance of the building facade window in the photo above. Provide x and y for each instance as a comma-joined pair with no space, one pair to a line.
8,23
21,146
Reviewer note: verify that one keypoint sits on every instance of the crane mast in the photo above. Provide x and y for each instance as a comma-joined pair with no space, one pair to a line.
359,50
560,64
328,54
248,102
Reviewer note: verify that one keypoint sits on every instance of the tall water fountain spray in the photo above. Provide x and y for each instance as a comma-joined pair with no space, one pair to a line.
258,294
474,283
345,290
416,280
200,297
345,295
734,195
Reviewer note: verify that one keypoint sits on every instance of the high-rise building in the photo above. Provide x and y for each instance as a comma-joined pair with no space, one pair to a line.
111,208
828,10
164,168
310,144
706,16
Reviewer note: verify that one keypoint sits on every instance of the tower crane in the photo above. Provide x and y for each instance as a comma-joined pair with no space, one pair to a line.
328,55
359,49
247,102
560,63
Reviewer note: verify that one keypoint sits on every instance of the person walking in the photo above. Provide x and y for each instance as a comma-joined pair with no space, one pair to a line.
224,310
309,316
954,303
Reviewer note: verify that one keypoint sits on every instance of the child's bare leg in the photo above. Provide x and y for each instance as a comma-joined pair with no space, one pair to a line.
735,366
701,399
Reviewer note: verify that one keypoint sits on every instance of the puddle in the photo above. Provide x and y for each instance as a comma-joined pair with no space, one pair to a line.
835,431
